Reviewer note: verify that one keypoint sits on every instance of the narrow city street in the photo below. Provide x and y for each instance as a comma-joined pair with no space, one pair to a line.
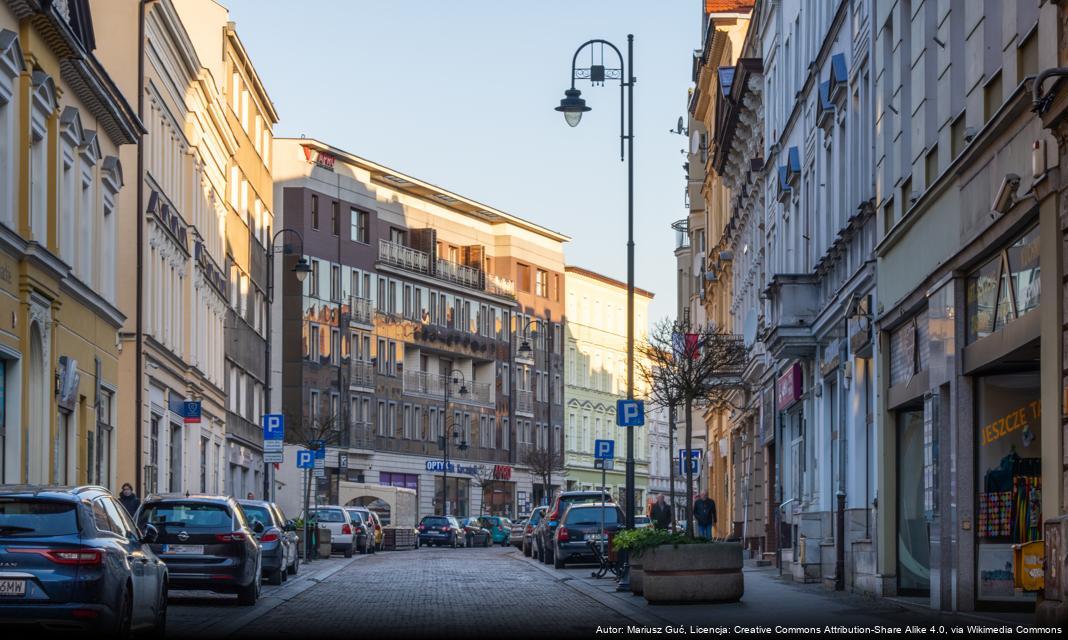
436,592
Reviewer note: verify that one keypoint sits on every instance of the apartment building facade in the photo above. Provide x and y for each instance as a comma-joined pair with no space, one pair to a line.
250,116
595,361
63,126
415,292
968,322
173,338
725,25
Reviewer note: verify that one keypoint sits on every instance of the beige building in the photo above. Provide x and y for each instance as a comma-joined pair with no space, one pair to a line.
63,127
250,115
711,210
173,340
595,364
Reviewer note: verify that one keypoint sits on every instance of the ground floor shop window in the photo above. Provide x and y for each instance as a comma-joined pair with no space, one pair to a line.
913,543
498,498
457,495
1008,465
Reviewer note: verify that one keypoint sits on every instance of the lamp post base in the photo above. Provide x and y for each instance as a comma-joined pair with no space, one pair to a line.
624,577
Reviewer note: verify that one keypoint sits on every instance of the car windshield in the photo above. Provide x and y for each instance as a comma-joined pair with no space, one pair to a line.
591,516
567,501
37,518
329,515
435,521
356,516
186,515
535,517
642,519
256,513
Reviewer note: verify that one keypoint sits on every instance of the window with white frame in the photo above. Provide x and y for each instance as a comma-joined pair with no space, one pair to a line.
10,68
43,97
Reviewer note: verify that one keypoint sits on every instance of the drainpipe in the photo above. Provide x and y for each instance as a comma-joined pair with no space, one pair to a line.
139,331
1040,103
843,405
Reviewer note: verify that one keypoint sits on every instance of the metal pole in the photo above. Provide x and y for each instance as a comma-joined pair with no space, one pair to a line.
267,484
630,275
552,430
307,490
671,463
445,440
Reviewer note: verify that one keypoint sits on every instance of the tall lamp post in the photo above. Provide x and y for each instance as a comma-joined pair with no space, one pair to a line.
301,269
573,106
526,351
447,435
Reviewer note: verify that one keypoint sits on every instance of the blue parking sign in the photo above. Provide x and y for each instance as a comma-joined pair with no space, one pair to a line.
630,413
305,459
274,426
604,449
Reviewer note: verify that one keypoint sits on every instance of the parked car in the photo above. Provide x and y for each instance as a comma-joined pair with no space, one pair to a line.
515,537
500,528
379,533
337,520
527,543
545,531
278,540
72,558
364,526
580,524
439,530
642,522
475,535
206,542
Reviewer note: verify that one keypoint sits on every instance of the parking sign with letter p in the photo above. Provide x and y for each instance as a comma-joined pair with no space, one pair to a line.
630,413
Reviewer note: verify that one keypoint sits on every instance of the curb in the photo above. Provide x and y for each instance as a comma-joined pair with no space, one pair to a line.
619,605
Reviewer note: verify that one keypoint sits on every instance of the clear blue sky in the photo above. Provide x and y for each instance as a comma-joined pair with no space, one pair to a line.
461,94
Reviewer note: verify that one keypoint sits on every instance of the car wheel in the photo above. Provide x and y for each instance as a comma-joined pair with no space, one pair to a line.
248,594
348,551
526,550
486,543
160,629
546,556
558,562
124,618
455,542
275,577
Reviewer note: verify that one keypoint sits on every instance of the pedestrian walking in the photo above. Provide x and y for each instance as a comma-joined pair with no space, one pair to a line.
704,515
129,499
660,513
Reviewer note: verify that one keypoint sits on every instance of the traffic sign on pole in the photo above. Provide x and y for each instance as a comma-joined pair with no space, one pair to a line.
695,461
274,432
604,449
305,459
630,413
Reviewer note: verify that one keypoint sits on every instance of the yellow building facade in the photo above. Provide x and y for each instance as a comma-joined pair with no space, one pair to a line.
62,124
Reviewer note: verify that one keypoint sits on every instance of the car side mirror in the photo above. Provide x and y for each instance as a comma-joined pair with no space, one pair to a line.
149,534
258,527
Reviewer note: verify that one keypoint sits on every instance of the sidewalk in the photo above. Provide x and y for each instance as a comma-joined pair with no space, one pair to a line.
772,600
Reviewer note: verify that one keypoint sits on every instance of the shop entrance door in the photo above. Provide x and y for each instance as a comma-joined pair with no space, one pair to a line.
913,539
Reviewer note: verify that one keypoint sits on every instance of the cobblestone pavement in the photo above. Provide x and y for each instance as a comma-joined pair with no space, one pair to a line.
429,592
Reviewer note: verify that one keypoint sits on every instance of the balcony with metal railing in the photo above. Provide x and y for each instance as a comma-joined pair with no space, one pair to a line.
404,257
460,274
524,402
361,311
362,435
361,374
500,286
432,385
682,233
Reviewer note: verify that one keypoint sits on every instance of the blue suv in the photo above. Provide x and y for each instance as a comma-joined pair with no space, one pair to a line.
72,558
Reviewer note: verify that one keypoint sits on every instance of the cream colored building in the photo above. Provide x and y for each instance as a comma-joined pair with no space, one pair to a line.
173,340
595,364
63,128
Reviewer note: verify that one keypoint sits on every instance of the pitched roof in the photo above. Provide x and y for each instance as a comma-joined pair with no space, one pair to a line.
728,6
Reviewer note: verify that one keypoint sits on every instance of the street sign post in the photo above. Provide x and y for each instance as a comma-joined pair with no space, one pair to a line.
630,413
695,461
320,459
305,459
604,449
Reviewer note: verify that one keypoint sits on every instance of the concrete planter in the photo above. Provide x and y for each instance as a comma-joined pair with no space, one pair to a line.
637,576
709,572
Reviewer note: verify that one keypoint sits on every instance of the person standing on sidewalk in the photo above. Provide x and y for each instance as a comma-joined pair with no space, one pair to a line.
129,499
704,515
660,514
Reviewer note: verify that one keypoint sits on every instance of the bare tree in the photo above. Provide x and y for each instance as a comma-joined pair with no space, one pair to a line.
544,465
324,427
694,367
482,477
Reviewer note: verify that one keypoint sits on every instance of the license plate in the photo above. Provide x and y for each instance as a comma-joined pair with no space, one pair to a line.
12,588
596,537
183,549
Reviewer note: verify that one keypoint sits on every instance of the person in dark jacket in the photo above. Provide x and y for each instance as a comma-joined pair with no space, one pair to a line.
704,515
129,499
660,513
